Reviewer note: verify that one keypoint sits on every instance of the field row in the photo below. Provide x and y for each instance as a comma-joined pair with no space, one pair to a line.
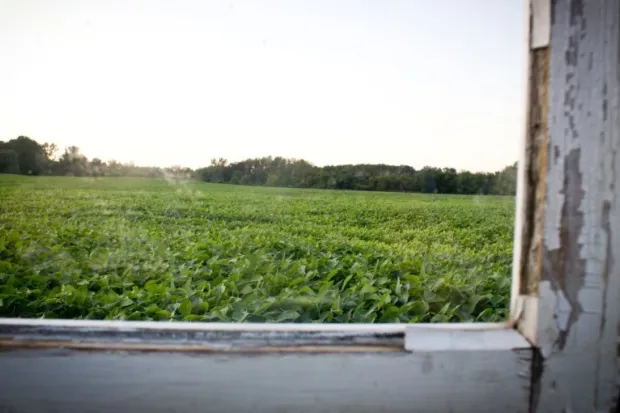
138,249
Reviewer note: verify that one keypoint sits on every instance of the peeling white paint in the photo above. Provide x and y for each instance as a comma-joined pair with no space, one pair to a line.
541,25
579,304
419,338
548,330
562,310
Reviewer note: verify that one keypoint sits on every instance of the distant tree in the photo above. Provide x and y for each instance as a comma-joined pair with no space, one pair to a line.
505,181
8,161
31,157
73,163
26,156
97,167
236,177
446,181
115,168
278,171
49,150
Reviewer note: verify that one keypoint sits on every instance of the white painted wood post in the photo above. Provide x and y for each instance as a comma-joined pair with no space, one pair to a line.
570,275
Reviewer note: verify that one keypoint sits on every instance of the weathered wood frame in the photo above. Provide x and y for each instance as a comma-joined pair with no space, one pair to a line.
558,352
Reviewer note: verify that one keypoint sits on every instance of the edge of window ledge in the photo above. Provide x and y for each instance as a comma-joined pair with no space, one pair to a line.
379,328
200,337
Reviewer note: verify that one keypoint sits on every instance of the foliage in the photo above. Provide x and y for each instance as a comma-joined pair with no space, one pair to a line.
30,158
146,249
37,159
299,173
27,157
9,163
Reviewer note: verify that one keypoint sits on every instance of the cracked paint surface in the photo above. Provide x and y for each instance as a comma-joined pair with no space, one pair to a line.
578,310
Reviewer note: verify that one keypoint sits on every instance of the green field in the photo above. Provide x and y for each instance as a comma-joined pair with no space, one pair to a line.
139,249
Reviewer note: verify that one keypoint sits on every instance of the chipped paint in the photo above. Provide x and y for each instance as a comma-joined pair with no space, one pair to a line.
541,22
140,347
194,337
574,321
423,338
563,267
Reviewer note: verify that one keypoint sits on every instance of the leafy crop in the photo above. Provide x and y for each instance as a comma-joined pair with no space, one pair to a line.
139,249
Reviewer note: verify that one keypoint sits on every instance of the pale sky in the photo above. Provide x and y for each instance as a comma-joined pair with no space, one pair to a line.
415,82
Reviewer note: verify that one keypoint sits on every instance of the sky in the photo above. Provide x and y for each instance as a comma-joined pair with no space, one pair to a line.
160,82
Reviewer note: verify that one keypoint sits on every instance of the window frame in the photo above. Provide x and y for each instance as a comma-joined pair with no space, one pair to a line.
557,352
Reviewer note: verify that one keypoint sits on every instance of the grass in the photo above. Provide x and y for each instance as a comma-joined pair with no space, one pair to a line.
139,249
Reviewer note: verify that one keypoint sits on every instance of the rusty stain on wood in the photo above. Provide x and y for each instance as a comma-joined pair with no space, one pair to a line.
536,170
535,195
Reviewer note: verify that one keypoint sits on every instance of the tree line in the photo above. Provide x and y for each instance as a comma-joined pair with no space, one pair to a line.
26,156
298,173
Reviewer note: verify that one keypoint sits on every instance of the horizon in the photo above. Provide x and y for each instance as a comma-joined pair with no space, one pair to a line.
60,151
161,84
